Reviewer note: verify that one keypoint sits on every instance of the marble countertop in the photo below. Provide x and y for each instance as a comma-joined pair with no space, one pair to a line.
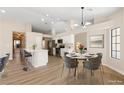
36,50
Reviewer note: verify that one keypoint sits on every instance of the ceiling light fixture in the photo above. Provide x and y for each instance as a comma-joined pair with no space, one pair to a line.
86,22
52,22
82,21
42,19
47,15
76,25
3,11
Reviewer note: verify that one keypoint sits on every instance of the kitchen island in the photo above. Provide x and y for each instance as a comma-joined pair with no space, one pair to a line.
39,57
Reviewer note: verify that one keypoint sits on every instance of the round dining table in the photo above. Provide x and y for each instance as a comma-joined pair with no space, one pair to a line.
79,56
2,55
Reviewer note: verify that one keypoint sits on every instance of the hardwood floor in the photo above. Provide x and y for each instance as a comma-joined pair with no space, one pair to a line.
51,75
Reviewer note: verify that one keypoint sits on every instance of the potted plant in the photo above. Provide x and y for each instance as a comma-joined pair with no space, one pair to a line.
34,46
81,47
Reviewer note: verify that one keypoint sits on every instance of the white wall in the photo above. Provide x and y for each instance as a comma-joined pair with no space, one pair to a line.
33,38
82,38
48,36
117,20
6,31
95,50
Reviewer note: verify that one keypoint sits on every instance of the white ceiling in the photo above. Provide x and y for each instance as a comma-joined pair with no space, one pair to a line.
61,16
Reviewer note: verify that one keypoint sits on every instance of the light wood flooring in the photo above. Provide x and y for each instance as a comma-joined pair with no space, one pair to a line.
51,75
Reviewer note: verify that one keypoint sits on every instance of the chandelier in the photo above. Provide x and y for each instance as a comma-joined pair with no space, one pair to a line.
85,22
82,19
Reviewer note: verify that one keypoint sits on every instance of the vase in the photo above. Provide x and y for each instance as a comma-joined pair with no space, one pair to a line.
81,51
33,48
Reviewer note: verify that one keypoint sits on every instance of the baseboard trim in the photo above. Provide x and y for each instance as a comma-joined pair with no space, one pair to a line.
118,71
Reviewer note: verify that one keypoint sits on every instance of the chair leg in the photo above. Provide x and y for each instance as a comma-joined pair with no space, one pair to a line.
69,72
0,75
102,68
83,68
91,72
75,72
90,79
62,69
101,75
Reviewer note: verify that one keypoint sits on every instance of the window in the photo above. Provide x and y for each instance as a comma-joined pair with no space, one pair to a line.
115,43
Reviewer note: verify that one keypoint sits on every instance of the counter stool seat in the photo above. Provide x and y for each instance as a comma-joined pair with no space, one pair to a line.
27,56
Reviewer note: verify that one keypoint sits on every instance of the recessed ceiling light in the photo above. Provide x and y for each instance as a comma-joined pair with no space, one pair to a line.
58,19
42,19
88,23
47,15
3,11
76,25
52,22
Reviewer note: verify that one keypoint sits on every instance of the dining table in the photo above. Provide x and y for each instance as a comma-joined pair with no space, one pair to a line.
79,56
2,55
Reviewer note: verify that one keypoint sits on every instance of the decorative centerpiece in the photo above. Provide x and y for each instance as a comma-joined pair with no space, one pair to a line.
81,47
34,46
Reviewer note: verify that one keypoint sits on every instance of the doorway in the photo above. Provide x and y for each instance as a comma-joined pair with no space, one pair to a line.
18,44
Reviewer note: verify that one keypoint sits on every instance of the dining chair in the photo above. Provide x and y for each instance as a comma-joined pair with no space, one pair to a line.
6,61
63,57
100,55
70,63
93,64
3,62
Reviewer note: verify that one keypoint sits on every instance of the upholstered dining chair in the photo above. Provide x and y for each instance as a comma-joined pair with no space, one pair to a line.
7,59
93,64
69,63
1,66
3,62
100,55
63,57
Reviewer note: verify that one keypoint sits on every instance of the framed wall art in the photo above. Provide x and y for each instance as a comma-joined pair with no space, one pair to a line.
97,41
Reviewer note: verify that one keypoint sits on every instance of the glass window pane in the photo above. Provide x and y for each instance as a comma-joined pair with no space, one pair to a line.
118,47
118,55
118,31
114,54
113,46
113,39
113,32
118,39
115,43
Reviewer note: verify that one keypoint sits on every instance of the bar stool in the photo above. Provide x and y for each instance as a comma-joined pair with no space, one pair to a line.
28,59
